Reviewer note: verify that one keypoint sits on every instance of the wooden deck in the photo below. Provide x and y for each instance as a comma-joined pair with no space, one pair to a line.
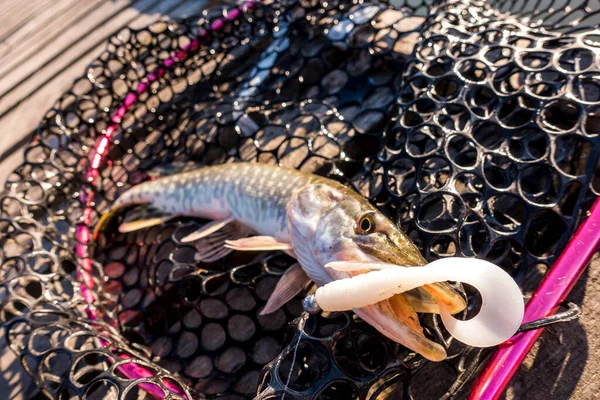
46,44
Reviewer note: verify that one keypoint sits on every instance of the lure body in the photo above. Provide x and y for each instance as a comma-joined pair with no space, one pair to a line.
316,220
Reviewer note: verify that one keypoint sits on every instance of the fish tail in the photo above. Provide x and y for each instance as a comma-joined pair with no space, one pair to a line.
134,196
104,221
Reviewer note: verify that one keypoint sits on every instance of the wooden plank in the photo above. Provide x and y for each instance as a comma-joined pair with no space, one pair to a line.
17,13
40,31
24,47
7,166
15,384
57,76
69,42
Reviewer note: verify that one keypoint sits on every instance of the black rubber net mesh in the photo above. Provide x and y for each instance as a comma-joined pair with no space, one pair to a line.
473,125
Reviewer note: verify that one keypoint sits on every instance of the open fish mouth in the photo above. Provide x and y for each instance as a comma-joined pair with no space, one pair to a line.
398,321
397,317
389,296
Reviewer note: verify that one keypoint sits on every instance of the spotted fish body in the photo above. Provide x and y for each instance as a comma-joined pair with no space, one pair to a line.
315,219
255,195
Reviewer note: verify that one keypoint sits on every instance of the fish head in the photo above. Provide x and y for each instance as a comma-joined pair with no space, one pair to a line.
330,222
340,225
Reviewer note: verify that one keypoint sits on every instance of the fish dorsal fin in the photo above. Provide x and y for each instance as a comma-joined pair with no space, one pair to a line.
291,283
207,229
258,243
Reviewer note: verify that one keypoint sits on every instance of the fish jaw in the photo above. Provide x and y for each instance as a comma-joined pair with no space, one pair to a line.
382,317
395,317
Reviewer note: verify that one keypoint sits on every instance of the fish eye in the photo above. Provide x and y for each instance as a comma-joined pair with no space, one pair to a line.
365,225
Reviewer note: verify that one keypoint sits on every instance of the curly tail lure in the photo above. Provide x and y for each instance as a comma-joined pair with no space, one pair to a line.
499,318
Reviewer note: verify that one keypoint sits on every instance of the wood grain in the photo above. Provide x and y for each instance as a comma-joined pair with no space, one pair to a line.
44,46
38,32
14,14
28,91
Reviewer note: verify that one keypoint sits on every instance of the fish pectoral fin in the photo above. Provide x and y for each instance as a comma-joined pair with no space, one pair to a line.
207,229
136,225
258,243
291,283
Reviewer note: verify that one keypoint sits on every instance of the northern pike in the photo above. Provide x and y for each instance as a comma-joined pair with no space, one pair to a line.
314,219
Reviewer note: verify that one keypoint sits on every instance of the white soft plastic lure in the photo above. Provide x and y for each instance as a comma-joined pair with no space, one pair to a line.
316,220
498,319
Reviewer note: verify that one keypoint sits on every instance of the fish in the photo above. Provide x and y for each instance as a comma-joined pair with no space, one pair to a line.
314,219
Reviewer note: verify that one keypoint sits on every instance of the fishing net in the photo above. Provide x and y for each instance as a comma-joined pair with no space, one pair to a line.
474,125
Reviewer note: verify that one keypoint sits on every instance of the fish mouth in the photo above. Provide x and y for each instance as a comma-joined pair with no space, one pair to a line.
397,316
396,319
396,248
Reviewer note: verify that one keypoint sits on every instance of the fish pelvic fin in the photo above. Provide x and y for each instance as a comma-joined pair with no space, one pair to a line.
291,283
207,229
212,247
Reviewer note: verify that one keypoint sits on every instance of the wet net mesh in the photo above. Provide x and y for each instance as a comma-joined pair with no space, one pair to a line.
473,125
